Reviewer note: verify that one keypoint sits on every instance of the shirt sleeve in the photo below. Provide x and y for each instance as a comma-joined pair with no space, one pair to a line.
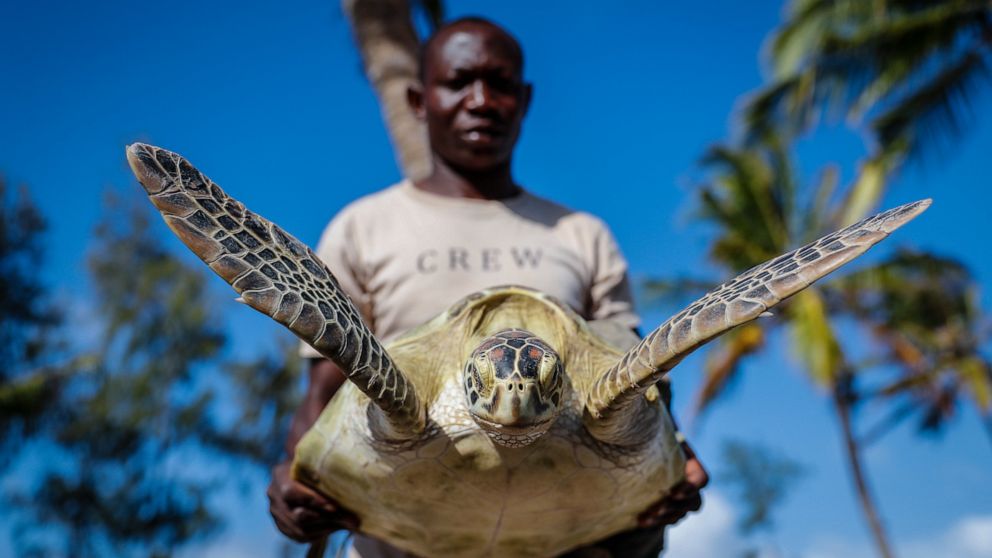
610,295
337,249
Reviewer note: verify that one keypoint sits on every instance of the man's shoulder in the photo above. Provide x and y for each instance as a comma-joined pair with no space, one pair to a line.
565,216
362,215
374,202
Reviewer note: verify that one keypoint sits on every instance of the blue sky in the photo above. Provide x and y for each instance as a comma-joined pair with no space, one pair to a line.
270,102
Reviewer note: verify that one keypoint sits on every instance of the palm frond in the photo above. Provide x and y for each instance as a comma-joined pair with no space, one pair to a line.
976,375
750,199
867,189
912,292
815,340
723,363
819,212
807,22
786,106
923,311
852,58
934,111
894,47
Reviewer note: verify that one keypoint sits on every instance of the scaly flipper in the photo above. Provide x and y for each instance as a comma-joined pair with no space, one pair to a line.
279,276
614,401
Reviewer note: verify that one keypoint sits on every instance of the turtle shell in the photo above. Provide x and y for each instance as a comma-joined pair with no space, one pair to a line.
453,491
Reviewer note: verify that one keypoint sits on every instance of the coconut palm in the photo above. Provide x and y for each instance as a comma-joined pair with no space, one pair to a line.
902,71
920,308
923,309
387,41
752,199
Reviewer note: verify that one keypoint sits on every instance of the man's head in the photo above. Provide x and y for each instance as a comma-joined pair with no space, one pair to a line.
473,97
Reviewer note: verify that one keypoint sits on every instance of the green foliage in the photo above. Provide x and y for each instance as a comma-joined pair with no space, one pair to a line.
922,309
814,338
151,419
119,419
27,322
752,199
23,297
761,478
923,304
924,312
264,393
761,210
904,71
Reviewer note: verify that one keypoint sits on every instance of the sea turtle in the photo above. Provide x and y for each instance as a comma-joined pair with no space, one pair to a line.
505,426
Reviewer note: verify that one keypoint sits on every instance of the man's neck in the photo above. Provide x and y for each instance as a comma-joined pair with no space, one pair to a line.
492,184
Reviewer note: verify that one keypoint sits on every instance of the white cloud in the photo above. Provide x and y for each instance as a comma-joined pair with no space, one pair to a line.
710,532
968,537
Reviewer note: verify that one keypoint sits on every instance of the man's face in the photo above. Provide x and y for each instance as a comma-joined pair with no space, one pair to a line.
473,98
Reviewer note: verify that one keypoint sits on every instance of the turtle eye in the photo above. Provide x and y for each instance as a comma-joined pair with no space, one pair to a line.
550,371
482,374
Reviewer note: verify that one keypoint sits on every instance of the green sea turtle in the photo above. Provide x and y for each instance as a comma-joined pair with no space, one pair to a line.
505,426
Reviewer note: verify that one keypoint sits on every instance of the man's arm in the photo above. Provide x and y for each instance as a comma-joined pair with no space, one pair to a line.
299,512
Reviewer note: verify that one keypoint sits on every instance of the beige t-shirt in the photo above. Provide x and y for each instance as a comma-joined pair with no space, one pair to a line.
404,255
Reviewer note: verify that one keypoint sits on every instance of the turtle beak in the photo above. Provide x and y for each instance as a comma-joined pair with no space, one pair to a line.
518,405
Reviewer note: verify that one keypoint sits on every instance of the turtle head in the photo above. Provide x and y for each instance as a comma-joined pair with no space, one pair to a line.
513,385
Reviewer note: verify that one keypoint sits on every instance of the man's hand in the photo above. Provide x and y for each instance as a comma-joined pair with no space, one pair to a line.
301,513
683,498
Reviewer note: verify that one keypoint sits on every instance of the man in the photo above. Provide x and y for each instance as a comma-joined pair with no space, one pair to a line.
405,253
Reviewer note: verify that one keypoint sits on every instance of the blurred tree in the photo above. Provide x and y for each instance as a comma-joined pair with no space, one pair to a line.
903,72
924,311
387,40
135,442
150,418
920,308
264,394
22,293
28,321
760,477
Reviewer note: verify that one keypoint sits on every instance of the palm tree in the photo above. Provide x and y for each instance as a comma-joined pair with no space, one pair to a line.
901,71
752,199
920,308
387,40
924,311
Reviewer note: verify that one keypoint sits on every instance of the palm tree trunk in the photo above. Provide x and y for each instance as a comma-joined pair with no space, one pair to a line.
389,45
987,422
842,404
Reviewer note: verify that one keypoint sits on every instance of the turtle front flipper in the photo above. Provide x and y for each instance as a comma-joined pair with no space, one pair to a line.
279,276
615,400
